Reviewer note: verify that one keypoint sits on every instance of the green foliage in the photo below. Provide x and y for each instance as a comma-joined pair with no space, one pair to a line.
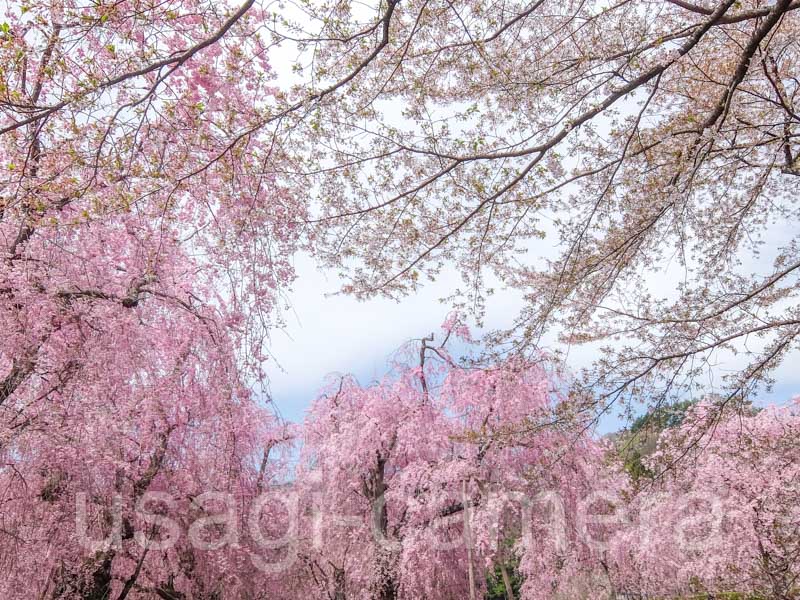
495,587
639,440
662,417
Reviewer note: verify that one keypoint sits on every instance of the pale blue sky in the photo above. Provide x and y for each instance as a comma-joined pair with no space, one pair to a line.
327,333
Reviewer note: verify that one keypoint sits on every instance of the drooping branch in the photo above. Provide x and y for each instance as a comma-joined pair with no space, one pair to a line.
172,61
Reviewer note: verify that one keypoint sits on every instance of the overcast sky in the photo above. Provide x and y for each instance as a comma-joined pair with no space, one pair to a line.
327,333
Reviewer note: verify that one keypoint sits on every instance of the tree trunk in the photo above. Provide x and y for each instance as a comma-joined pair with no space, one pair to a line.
507,582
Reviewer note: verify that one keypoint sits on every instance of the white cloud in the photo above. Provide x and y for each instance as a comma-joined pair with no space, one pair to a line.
328,333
